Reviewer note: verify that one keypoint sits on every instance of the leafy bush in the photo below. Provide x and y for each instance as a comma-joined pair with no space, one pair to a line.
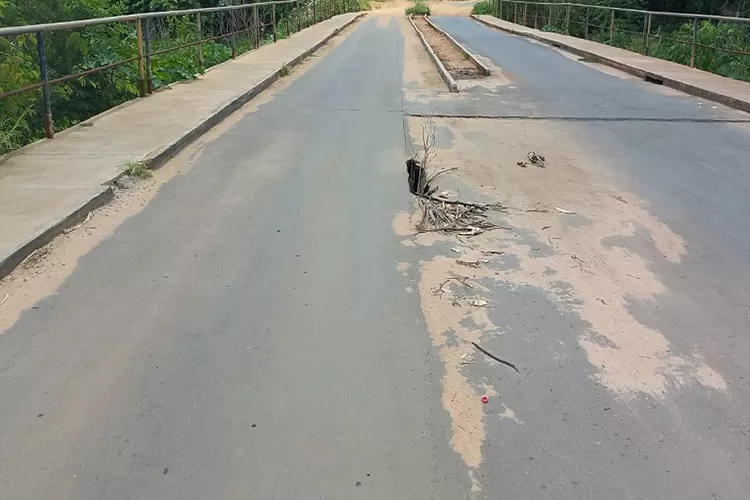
483,8
420,8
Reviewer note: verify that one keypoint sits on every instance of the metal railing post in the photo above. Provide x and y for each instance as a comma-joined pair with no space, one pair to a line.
612,27
147,50
525,5
648,34
536,16
199,32
141,70
498,8
645,28
549,19
315,12
288,26
567,19
256,26
299,18
44,77
692,44
273,21
232,41
586,25
515,12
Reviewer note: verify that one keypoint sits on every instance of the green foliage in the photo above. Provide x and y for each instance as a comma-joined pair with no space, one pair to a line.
420,8
138,170
485,7
14,132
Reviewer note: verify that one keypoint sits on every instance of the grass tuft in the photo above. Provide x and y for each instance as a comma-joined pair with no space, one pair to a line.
138,170
420,8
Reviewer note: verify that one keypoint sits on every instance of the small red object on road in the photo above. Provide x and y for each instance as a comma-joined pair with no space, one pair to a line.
485,399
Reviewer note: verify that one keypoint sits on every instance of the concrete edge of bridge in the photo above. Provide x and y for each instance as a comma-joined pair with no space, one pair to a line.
99,197
447,78
483,68
662,79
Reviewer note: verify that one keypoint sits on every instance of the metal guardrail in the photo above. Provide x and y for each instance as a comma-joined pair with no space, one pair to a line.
576,19
257,17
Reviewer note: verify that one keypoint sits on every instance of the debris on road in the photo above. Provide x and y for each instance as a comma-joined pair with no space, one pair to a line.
80,224
479,303
619,198
533,158
485,399
125,182
468,263
453,216
563,211
6,298
499,360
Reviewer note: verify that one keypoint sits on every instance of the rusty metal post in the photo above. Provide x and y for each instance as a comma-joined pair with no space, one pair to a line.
612,28
288,26
536,16
586,25
299,18
199,32
692,44
232,41
147,50
141,70
648,34
567,19
525,5
498,8
256,26
273,21
49,126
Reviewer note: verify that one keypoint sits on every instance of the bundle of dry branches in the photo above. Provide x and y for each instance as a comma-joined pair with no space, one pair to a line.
450,216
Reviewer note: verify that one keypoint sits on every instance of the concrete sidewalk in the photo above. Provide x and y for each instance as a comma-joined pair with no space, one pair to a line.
733,93
50,185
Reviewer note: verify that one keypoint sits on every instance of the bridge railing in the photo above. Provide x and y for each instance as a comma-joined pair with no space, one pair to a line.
87,66
719,44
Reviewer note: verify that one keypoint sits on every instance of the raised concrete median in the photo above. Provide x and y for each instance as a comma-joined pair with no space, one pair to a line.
733,93
52,184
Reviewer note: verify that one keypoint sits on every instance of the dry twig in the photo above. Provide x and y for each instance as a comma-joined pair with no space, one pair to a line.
499,360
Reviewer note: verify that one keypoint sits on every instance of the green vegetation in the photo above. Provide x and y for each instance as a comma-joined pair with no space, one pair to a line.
670,38
138,170
483,8
420,8
74,51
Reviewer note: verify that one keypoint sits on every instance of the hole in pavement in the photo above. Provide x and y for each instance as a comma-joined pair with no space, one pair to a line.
417,177
654,80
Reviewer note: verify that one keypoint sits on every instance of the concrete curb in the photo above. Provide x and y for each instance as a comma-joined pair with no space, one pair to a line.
447,78
13,260
479,64
641,73
156,159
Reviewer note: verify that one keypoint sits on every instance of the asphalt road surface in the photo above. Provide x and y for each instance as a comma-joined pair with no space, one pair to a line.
248,334
255,331
694,177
